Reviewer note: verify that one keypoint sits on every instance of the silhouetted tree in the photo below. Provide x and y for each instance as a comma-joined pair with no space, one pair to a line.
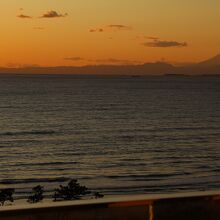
98,195
72,191
6,195
37,194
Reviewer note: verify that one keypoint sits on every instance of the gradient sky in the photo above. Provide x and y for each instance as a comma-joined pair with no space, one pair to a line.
39,32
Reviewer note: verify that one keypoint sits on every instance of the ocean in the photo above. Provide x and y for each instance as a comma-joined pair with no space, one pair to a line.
115,134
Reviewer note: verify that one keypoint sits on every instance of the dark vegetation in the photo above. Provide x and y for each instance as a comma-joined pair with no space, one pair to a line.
37,194
6,195
72,191
98,195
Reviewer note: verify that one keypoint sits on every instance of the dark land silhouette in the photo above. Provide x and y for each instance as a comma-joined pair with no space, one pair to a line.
208,67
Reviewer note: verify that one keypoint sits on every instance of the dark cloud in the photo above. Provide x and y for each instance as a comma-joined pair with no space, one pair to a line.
24,16
119,27
96,30
111,27
163,43
53,14
74,58
143,37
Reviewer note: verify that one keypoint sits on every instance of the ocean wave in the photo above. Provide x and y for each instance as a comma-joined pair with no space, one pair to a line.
43,164
165,187
32,180
147,177
165,129
33,132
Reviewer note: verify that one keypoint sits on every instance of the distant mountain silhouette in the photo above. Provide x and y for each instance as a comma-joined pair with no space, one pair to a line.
157,68
215,61
208,67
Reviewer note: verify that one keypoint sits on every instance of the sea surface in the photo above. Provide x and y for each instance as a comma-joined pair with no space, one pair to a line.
117,135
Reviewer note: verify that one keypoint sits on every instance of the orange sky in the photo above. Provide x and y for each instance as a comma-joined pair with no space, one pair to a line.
78,32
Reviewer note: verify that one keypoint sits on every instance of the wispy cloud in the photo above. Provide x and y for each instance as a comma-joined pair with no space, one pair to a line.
106,61
116,61
151,38
39,28
74,58
164,44
24,16
119,27
53,14
20,65
111,27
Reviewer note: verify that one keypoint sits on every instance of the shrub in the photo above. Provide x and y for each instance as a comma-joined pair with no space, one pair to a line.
72,191
98,195
6,195
37,194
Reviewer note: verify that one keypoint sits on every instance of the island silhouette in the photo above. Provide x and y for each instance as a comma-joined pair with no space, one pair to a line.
208,67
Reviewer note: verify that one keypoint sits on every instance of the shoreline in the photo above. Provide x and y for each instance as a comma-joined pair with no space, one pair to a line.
22,204
194,205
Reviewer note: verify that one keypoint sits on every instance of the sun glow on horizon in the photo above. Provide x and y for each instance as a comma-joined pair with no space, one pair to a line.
67,33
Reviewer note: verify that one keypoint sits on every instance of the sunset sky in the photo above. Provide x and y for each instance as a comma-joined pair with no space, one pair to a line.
79,32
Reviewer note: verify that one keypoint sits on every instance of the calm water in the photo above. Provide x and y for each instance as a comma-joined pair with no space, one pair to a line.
119,135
